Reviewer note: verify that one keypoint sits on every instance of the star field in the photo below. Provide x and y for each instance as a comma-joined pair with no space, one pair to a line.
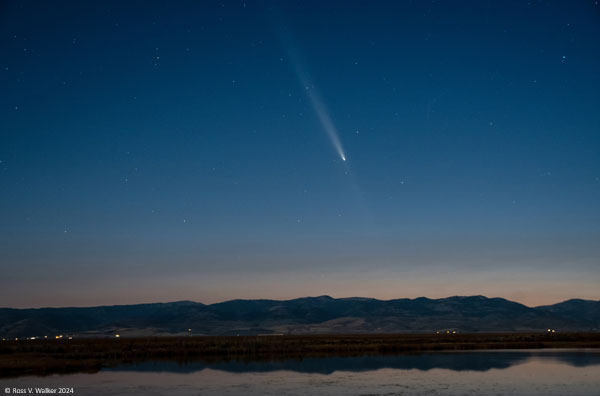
155,151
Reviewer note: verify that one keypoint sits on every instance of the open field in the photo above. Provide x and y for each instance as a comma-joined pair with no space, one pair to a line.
44,357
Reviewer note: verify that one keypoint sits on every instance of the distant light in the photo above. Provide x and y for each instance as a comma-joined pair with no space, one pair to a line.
454,332
189,330
554,331
549,330
117,335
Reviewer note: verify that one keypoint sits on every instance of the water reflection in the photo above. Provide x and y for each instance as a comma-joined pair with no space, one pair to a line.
456,361
499,373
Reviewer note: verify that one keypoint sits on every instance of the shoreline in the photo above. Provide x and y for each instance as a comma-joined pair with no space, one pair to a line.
51,356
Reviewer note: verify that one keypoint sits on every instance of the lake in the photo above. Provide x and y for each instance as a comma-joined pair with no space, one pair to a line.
515,372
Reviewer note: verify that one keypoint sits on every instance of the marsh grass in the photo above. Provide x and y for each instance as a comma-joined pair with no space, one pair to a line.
44,357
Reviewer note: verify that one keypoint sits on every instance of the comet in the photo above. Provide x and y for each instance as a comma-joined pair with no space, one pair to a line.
324,117
313,95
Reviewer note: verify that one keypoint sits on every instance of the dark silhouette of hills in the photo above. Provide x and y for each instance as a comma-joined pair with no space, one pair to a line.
310,315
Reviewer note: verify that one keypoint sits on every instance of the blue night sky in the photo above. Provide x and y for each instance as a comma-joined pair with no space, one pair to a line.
160,151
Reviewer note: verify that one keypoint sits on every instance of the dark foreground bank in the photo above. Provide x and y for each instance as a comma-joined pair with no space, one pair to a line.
44,357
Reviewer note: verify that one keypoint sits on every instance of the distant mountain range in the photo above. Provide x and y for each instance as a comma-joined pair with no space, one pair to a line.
310,315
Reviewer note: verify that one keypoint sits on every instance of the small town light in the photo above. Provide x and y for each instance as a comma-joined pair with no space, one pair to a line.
117,336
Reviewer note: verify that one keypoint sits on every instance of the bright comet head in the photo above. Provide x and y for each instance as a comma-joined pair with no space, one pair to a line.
316,101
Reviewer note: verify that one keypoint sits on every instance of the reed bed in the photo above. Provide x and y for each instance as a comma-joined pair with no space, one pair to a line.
49,356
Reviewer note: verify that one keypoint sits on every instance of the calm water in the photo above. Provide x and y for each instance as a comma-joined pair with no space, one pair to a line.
547,372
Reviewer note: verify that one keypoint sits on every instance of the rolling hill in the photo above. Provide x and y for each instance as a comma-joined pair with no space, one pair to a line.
310,315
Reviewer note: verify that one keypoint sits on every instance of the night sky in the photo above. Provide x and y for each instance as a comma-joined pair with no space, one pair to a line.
162,151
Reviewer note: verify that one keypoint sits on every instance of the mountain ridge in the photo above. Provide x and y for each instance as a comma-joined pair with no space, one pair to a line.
307,315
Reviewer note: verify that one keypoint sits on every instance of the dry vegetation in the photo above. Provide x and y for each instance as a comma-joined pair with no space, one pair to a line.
43,357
